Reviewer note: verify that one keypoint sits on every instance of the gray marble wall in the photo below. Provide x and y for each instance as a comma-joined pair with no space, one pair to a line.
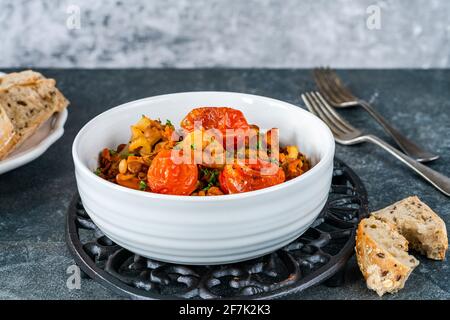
224,33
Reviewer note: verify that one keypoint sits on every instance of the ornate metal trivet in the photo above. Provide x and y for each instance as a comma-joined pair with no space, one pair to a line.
321,252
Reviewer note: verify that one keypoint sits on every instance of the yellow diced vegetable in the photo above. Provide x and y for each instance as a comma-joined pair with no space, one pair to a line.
136,133
143,123
142,143
292,152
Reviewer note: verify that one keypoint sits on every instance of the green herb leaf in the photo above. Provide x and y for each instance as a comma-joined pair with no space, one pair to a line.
207,187
126,155
213,177
193,146
112,152
169,123
98,171
142,185
275,161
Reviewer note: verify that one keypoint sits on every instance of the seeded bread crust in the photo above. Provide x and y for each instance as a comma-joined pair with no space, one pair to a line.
382,256
423,228
383,271
19,78
8,136
27,99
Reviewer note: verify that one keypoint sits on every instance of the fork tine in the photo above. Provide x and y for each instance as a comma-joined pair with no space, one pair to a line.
318,77
326,113
331,86
324,86
315,109
340,122
308,104
339,88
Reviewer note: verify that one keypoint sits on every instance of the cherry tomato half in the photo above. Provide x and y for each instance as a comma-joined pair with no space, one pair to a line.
237,178
220,118
167,176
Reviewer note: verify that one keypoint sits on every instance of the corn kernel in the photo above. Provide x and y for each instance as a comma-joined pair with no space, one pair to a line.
292,152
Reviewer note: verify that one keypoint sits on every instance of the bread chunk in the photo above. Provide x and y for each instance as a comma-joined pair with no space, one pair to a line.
27,99
382,256
7,132
423,228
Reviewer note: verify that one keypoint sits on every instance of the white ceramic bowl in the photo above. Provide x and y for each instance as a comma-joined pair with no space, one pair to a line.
205,230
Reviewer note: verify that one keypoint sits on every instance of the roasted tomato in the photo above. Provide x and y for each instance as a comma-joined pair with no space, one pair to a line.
169,176
237,178
218,118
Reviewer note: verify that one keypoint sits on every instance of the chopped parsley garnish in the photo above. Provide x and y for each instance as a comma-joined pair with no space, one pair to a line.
112,152
126,155
193,146
169,123
273,160
212,177
206,171
98,171
142,185
207,187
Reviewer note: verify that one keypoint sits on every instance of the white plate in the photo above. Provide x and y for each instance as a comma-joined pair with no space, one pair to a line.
37,144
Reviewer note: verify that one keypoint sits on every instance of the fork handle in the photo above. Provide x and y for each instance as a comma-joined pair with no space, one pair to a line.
438,180
409,147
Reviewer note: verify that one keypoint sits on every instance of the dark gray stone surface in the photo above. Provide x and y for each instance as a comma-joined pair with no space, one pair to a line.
35,197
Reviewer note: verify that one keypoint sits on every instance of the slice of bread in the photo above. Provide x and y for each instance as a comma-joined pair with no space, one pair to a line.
424,229
27,99
7,132
20,78
381,252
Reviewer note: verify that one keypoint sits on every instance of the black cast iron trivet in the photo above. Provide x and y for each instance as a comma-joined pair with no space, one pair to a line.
321,252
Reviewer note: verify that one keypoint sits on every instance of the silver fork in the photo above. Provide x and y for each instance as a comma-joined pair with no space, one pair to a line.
332,88
346,134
